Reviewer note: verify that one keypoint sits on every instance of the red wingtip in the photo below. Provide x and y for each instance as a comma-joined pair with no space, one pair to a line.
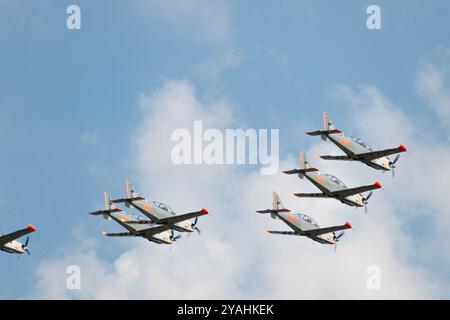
377,184
348,225
31,228
402,147
204,211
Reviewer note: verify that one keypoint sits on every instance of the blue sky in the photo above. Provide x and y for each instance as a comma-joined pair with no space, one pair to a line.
69,100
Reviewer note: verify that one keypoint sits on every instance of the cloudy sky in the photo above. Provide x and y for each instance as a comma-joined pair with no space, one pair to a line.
81,110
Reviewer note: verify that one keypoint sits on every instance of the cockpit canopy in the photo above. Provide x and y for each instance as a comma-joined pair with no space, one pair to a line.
163,206
361,142
336,180
306,218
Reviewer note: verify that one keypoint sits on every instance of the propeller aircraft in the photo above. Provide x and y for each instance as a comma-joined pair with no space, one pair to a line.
303,225
136,226
9,244
331,186
159,212
356,149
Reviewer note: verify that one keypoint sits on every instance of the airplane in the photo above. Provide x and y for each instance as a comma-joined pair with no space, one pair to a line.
356,149
9,244
331,186
303,225
136,226
159,212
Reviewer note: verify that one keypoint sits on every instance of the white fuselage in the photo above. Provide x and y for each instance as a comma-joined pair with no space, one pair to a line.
353,149
155,213
13,247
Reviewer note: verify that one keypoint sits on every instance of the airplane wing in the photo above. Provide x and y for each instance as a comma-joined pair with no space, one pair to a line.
182,217
155,229
352,191
289,233
381,153
16,234
311,195
344,158
319,231
119,234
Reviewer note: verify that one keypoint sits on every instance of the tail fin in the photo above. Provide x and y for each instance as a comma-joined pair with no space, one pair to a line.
130,191
304,166
107,202
328,128
327,123
109,207
277,206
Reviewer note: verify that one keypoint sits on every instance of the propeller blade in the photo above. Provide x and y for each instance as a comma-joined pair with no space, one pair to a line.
26,243
173,237
396,159
198,230
368,196
340,235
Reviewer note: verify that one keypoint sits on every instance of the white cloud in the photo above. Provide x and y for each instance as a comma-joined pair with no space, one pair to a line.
201,19
233,258
89,138
433,85
213,68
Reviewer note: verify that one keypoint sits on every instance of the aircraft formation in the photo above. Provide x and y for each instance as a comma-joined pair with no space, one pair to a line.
331,186
158,223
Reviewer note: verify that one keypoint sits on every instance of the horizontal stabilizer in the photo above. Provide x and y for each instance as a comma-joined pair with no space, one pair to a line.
323,132
100,212
127,199
273,210
296,171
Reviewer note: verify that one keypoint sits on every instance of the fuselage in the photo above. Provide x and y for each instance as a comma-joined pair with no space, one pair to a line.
13,247
156,211
354,147
301,223
138,229
328,183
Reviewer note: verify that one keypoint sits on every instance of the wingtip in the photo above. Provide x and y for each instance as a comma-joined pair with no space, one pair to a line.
31,228
402,147
377,184
204,211
104,232
348,225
